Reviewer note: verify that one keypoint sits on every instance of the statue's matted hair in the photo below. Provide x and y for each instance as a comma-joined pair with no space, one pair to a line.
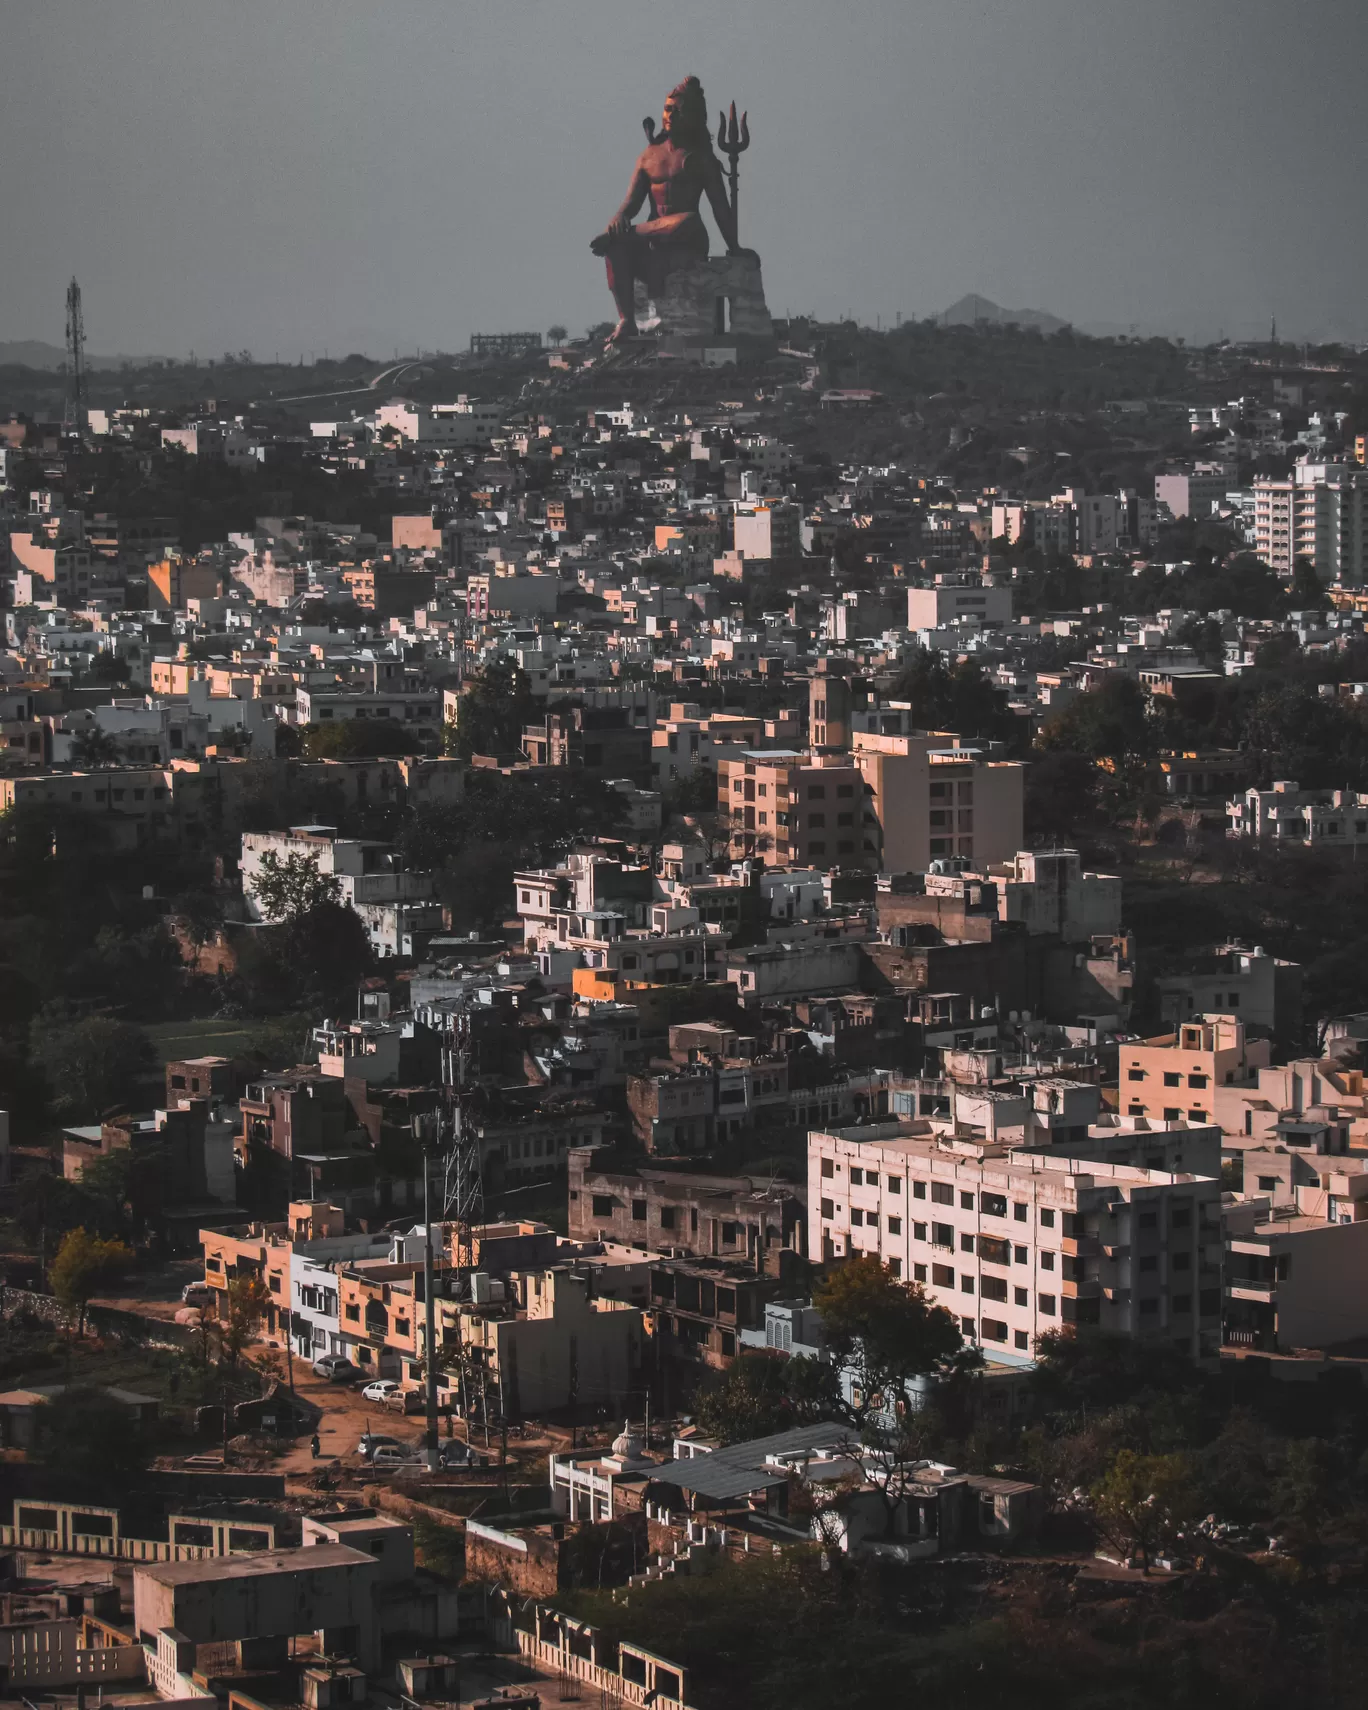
693,109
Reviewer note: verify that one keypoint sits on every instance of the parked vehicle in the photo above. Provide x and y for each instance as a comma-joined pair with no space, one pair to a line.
337,1368
404,1400
197,1294
391,1458
373,1440
380,1390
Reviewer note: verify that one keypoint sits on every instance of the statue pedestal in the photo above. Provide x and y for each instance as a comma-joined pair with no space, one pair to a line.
713,300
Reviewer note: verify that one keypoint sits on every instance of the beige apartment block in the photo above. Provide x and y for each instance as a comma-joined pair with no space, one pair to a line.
796,810
1292,1280
934,796
1177,1074
1017,1243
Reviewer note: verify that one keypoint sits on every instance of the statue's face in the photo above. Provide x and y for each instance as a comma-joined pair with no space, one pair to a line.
671,114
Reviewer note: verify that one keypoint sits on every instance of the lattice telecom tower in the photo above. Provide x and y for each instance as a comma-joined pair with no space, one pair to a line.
78,398
462,1176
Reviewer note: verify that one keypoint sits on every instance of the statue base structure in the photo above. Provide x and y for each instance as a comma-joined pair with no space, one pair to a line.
717,301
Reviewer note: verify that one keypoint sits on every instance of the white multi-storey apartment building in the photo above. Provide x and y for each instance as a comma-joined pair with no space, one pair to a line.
1320,514
1016,1242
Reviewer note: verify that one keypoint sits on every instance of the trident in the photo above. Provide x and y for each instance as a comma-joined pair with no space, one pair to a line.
733,141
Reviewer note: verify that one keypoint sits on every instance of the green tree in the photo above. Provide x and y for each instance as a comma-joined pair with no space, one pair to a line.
1085,1367
760,1394
557,335
93,749
493,708
1307,592
202,913
94,1443
1144,1500
92,1065
884,1332
82,1263
247,1301
286,890
357,739
1112,722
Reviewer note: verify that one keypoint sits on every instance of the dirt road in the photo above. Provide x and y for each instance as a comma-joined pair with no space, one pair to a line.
346,1415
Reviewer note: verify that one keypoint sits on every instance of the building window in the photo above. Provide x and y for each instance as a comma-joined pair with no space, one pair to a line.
603,1205
993,1288
966,1283
1019,1211
993,1204
966,1202
1045,1305
1047,1261
942,1276
1019,1256
1020,1297
638,1211
942,1193
994,1330
828,1168
828,1209
1020,1339
919,1231
856,1217
1135,1074
895,1226
895,1267
918,1190
1172,1080
1047,1219
919,1273
895,1184
856,1177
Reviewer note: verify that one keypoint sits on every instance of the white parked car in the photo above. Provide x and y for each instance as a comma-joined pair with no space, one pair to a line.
380,1391
390,1459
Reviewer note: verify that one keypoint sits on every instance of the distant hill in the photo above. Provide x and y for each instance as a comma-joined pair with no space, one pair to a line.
33,353
971,310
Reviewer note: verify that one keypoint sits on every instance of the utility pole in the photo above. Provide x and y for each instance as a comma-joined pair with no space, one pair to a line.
429,1318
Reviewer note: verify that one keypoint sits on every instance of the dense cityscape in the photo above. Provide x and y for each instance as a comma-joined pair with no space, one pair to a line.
684,1009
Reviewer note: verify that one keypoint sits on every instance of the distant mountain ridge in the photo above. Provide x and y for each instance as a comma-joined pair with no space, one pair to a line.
971,310
34,353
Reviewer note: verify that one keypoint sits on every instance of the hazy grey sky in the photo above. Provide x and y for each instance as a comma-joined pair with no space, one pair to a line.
294,174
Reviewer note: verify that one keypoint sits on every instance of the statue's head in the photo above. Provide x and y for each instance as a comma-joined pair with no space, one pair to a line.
686,114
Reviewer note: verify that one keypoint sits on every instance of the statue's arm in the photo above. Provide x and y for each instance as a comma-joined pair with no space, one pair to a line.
719,201
637,193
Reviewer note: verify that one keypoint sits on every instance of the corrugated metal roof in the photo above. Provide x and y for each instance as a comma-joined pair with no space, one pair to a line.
739,1468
